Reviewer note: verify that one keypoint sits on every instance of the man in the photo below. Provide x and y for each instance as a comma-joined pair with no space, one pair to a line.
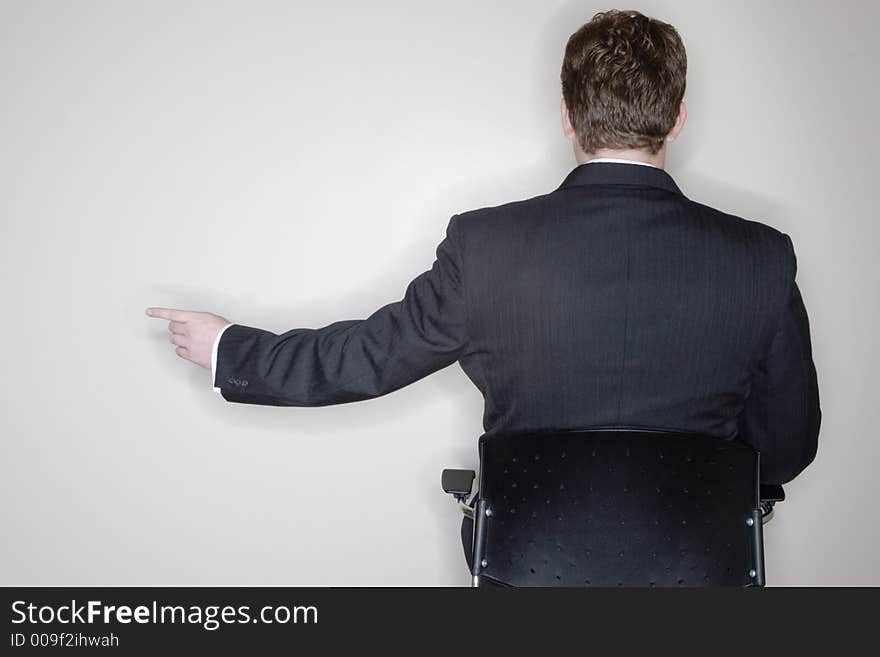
612,301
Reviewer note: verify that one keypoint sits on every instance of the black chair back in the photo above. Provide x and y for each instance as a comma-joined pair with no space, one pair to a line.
617,508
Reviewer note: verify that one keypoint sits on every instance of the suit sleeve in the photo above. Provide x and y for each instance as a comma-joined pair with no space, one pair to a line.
781,416
352,360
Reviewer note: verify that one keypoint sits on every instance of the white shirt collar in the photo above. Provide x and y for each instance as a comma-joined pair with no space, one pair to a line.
618,160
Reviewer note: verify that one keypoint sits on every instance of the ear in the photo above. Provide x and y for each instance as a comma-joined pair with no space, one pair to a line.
679,123
567,128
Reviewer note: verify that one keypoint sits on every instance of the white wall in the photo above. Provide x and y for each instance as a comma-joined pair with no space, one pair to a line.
291,164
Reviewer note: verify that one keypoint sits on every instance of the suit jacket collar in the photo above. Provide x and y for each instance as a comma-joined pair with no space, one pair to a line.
612,173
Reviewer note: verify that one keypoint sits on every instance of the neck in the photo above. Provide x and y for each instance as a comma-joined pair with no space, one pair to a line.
658,159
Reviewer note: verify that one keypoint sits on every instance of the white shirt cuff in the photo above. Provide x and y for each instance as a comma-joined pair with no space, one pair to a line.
214,356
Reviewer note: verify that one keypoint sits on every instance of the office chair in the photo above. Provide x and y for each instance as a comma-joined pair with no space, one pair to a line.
614,507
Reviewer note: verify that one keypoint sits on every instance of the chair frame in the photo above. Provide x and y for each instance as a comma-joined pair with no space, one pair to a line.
464,485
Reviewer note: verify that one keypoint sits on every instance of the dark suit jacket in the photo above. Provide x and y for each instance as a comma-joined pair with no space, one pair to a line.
612,301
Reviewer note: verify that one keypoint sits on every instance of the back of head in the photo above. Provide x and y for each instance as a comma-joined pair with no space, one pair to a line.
623,79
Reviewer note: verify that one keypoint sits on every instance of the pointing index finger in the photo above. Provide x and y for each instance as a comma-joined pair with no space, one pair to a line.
171,314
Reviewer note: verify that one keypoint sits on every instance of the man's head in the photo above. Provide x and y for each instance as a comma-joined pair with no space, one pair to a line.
623,80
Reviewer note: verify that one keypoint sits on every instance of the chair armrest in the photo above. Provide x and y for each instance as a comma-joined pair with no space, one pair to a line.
772,493
458,483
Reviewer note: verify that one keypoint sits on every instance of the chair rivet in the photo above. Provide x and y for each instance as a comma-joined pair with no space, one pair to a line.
485,563
488,512
752,572
750,522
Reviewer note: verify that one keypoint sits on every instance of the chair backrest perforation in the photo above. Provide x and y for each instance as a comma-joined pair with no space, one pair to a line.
618,508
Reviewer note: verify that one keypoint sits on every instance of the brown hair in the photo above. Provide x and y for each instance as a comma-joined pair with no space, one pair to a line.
623,78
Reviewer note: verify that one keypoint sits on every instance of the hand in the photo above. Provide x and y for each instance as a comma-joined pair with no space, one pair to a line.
192,332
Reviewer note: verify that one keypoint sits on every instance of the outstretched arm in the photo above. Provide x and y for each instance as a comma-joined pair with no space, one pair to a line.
347,360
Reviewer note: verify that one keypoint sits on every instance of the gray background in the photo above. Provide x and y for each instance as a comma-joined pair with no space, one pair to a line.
252,158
